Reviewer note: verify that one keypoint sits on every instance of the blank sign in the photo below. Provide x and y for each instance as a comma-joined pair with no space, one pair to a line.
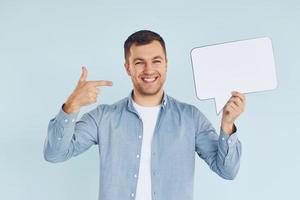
245,66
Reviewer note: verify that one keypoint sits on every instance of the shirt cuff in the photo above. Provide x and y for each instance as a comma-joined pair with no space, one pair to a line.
230,140
65,119
227,144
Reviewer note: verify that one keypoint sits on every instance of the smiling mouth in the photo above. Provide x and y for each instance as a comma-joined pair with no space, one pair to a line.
149,79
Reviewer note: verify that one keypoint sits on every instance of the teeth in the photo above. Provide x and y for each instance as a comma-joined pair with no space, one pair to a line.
149,79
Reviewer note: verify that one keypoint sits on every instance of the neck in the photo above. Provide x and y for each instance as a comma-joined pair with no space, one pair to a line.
147,100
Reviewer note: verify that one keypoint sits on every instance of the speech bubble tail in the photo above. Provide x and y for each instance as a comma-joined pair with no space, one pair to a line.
220,102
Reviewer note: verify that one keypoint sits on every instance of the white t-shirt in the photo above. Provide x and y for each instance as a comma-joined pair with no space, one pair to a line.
149,117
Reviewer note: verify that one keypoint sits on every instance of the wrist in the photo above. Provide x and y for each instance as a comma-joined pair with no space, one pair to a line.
70,108
227,127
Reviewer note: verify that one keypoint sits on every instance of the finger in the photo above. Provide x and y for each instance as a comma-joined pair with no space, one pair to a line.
93,97
83,74
240,95
234,107
101,83
237,108
237,101
98,91
94,90
228,109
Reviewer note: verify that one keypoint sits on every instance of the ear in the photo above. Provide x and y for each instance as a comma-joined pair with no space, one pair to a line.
126,65
166,64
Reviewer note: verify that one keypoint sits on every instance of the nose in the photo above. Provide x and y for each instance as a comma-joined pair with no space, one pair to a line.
148,66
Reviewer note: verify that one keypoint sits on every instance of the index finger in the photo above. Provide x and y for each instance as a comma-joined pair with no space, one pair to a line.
101,83
240,95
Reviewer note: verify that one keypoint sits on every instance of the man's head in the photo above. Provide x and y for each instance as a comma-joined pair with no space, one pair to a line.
146,62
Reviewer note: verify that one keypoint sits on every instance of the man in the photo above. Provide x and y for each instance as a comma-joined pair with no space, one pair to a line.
147,141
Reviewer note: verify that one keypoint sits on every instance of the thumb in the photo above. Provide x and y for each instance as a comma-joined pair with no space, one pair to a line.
83,74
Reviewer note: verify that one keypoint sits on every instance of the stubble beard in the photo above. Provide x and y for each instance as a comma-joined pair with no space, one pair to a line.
148,92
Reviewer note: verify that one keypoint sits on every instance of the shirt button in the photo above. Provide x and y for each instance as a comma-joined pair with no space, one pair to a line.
140,136
138,156
73,120
132,194
59,138
223,138
66,120
135,176
229,141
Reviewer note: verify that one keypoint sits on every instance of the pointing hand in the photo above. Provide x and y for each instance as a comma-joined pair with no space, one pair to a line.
85,93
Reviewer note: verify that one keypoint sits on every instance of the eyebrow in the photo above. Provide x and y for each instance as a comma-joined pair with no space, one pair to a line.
156,57
137,59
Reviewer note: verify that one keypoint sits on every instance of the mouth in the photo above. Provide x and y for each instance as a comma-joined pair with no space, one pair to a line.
149,79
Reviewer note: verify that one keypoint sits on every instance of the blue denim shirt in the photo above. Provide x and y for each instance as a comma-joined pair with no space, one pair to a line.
181,130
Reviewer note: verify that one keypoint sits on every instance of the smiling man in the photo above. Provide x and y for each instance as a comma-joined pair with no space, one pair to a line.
147,141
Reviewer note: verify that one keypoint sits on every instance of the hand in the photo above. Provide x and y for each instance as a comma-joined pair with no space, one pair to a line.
232,109
85,93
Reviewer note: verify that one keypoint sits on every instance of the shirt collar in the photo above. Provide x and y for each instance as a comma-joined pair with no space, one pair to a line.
131,107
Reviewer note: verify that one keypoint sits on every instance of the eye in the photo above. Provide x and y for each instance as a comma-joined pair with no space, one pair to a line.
157,61
138,63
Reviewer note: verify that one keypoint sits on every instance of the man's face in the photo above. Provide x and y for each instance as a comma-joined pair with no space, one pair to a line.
147,66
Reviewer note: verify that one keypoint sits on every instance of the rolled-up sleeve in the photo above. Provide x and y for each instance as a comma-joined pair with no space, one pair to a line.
221,152
68,137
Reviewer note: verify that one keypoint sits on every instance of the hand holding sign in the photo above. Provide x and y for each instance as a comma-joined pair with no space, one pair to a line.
233,108
85,93
244,66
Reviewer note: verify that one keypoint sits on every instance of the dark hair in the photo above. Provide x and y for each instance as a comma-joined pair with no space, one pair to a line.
142,37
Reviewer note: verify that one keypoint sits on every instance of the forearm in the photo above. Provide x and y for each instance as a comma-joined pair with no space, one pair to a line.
228,156
58,143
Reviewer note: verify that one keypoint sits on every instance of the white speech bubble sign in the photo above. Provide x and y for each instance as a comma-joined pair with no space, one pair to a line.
245,66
